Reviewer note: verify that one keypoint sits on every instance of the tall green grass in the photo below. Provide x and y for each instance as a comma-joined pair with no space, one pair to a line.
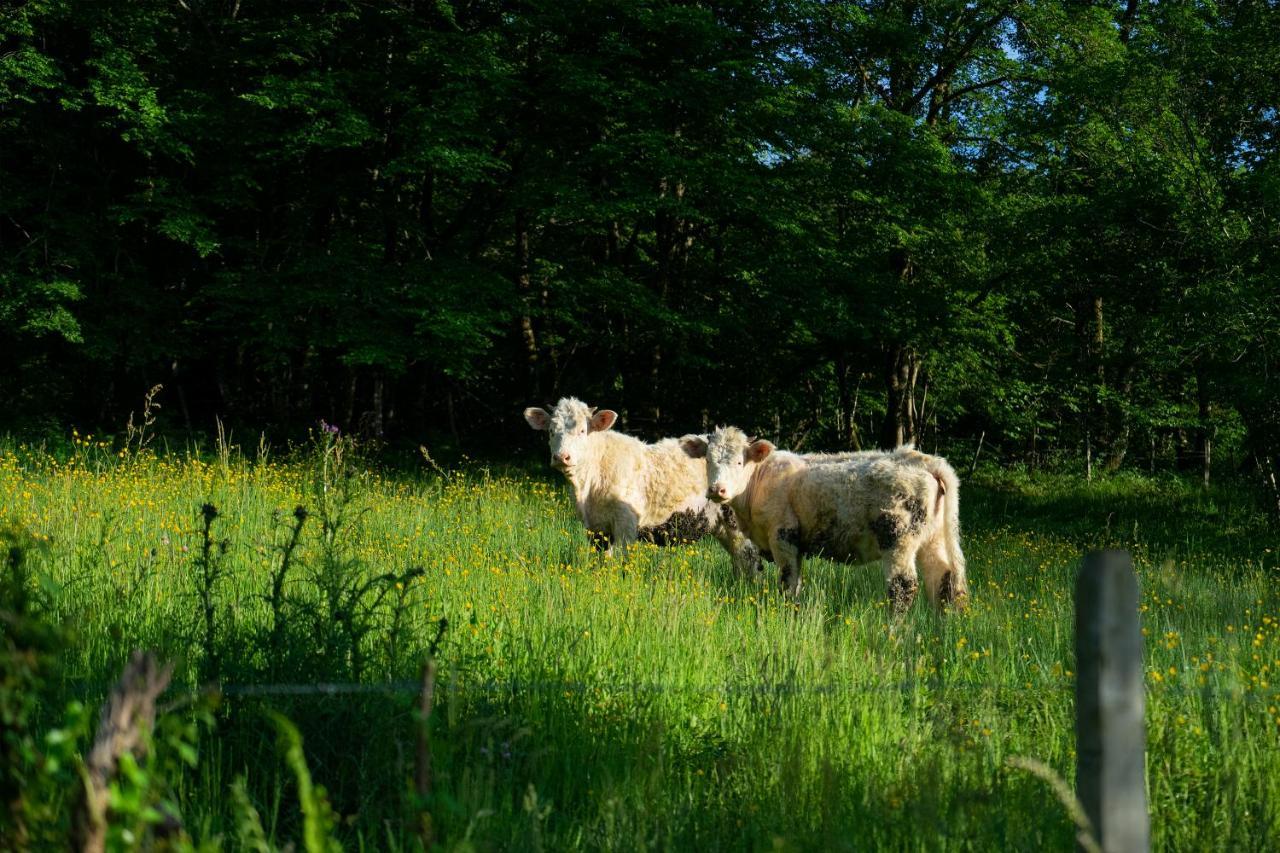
659,702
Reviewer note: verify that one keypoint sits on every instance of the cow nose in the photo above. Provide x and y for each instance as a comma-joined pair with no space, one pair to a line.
717,491
562,458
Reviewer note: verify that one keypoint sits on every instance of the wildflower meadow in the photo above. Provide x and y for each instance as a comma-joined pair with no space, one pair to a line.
653,701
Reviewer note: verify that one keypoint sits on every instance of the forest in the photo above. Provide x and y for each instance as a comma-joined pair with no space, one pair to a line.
1050,226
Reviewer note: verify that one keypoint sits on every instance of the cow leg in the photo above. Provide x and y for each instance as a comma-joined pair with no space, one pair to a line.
900,578
744,555
896,532
784,542
941,583
959,580
626,526
747,560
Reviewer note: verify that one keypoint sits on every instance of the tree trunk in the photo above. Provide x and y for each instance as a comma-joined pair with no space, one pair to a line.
901,369
376,424
1096,343
1204,435
453,417
921,415
847,413
524,285
1269,474
350,406
1121,420
1088,457
667,232
1119,447
182,395
1183,450
1098,422
655,383
420,416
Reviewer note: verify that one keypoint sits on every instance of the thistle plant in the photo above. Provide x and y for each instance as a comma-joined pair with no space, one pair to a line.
210,569
349,597
276,599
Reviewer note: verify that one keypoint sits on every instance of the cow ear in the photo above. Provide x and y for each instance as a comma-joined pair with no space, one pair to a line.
694,446
537,418
601,421
759,450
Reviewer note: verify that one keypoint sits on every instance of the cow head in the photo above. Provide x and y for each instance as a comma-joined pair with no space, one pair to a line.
570,425
731,458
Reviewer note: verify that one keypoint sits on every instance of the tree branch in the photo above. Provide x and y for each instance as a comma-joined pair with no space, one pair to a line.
872,85
956,94
947,68
1128,20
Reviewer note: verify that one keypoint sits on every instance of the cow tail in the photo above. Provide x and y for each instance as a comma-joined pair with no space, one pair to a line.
947,506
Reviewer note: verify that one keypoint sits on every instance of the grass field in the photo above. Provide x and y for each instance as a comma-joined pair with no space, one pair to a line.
654,703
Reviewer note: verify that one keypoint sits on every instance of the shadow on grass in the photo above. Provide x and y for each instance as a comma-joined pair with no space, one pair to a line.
1159,515
529,769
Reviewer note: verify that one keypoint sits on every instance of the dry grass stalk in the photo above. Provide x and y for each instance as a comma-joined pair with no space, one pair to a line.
422,758
128,717
1084,828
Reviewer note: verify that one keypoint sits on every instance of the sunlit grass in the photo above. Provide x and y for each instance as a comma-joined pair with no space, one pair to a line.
660,701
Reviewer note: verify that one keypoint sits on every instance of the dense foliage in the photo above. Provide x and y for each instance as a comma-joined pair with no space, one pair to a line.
1053,224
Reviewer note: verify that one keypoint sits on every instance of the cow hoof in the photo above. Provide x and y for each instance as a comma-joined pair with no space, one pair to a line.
902,592
945,590
949,598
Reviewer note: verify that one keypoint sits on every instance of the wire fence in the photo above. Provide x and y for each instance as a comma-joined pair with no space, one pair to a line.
648,687
510,687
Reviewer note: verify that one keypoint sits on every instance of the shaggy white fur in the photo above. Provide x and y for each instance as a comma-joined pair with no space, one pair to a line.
895,506
626,489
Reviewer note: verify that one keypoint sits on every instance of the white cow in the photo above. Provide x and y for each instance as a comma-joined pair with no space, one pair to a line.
627,490
896,506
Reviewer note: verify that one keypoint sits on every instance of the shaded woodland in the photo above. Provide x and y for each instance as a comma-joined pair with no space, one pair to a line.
1051,226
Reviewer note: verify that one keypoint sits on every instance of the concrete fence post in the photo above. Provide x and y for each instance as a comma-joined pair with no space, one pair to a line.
1110,703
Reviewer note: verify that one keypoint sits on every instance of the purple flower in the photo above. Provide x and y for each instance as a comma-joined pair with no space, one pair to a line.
331,429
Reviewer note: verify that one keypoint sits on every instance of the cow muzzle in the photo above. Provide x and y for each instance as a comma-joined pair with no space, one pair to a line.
718,493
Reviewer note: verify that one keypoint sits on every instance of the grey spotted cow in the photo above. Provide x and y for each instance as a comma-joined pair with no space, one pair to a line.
897,506
627,490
